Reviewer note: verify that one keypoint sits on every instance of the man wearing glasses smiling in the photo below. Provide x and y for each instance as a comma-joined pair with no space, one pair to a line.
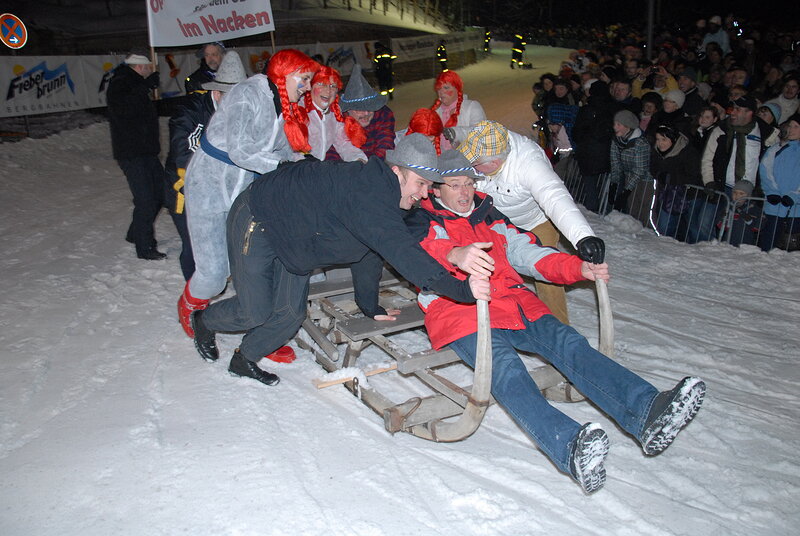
470,238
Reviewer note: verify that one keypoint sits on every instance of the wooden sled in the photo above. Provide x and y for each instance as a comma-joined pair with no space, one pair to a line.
451,412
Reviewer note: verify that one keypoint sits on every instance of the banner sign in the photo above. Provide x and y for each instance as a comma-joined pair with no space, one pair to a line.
45,84
174,23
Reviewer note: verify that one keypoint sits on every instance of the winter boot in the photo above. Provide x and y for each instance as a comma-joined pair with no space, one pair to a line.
284,354
589,451
242,367
671,411
204,339
186,304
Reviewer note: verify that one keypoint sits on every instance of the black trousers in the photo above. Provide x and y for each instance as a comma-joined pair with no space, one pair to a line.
186,257
145,177
270,302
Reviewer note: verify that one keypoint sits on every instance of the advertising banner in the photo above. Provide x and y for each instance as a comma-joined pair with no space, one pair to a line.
174,23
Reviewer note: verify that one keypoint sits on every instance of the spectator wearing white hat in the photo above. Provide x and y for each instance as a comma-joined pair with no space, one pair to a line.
133,119
717,34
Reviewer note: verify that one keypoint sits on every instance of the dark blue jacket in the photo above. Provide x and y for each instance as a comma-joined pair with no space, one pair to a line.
132,115
321,214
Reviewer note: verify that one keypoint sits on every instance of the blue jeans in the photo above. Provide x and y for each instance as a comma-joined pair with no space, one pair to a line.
621,394
667,223
702,220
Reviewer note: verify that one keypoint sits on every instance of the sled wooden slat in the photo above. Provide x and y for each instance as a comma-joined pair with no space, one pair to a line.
426,359
321,383
336,287
410,317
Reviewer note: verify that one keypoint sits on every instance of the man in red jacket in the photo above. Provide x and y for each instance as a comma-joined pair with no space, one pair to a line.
468,236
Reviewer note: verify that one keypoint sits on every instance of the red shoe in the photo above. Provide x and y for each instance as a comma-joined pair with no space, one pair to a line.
284,354
187,304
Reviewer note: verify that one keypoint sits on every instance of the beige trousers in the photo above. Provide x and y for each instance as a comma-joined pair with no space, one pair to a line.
553,296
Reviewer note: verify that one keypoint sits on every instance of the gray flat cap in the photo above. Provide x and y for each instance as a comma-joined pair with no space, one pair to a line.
416,152
454,164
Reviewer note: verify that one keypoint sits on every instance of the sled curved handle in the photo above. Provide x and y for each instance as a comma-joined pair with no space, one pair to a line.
479,399
606,346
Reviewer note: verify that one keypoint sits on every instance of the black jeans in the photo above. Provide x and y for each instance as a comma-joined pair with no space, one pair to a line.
270,302
145,177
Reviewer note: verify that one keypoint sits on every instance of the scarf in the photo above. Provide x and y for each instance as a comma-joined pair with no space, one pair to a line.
740,134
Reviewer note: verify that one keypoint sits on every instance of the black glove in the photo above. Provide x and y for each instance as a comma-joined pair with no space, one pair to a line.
591,249
712,189
774,199
449,134
153,81
787,201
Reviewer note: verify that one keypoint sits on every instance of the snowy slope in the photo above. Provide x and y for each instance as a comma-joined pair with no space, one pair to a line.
111,424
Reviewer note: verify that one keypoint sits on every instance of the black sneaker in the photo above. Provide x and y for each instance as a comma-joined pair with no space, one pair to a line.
589,451
204,339
242,367
670,412
152,255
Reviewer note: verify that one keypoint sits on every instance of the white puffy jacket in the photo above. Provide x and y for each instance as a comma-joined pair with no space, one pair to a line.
471,113
528,191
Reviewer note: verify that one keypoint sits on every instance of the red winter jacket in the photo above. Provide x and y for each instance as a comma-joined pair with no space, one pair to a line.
514,252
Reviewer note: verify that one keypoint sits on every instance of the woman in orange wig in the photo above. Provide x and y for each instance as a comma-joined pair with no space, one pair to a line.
326,125
458,113
426,122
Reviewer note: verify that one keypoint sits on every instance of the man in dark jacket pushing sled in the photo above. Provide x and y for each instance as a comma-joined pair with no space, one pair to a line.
309,215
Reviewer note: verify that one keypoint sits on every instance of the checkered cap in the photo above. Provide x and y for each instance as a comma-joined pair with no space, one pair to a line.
487,138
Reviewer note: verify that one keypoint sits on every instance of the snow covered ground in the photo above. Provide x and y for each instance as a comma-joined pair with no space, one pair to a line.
111,424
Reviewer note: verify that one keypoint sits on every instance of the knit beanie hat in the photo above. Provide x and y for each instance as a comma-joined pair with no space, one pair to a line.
745,186
627,118
774,109
677,96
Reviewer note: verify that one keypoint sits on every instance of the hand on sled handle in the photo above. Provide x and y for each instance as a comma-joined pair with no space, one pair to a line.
591,249
479,285
390,316
595,272
473,259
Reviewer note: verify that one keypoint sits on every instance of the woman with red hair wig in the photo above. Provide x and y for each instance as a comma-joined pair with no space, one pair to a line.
427,122
326,125
458,113
250,133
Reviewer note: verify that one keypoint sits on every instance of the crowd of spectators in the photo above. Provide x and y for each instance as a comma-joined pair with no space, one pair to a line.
668,136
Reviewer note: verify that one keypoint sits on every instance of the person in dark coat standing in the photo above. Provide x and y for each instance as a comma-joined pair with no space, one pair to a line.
311,214
133,119
517,50
592,134
210,56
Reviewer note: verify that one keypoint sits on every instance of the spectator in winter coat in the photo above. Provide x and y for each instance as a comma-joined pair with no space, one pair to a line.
717,34
788,99
693,102
732,153
747,215
654,78
368,107
671,114
630,167
462,230
257,126
770,113
780,180
525,187
210,56
458,112
674,164
651,105
593,132
308,215
186,127
327,127
133,119
706,121
621,91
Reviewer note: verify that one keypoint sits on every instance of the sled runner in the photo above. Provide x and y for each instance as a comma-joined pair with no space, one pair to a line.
451,412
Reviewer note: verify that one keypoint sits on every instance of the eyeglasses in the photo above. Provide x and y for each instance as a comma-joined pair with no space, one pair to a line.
334,87
458,187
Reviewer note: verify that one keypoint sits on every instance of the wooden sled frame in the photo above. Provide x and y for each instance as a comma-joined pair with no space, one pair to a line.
330,325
